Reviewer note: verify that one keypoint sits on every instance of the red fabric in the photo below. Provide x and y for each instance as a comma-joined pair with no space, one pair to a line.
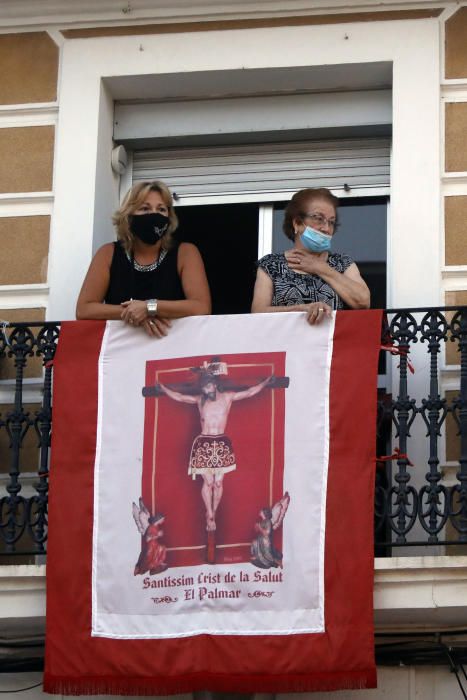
341,657
251,427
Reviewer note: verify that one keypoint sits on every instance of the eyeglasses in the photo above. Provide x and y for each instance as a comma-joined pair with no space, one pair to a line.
321,220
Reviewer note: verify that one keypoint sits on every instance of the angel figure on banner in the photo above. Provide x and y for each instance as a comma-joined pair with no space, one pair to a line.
263,553
153,552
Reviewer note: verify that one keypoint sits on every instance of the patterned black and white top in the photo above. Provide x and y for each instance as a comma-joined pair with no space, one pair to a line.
292,288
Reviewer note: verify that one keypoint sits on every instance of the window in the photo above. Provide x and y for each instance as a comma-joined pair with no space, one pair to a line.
231,237
362,234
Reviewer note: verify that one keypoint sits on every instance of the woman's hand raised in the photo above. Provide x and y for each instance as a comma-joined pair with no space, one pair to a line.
301,261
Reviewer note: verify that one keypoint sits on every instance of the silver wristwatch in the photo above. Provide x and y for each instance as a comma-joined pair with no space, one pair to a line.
151,306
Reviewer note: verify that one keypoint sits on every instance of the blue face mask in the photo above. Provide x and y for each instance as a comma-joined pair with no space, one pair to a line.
316,241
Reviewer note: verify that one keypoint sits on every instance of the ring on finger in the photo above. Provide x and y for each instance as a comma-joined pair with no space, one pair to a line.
320,311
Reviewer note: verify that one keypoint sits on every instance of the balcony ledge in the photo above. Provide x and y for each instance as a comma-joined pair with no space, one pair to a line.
420,593
411,594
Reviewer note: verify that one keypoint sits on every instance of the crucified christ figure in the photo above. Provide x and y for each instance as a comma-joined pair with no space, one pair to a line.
212,453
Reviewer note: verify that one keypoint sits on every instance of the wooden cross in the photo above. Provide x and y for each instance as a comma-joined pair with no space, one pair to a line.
191,389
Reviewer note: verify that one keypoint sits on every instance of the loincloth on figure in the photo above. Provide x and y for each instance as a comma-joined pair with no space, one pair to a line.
211,454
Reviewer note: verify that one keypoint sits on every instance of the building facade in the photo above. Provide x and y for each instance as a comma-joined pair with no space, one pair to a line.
236,106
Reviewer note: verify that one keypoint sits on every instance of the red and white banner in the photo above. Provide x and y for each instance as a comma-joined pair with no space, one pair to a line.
211,506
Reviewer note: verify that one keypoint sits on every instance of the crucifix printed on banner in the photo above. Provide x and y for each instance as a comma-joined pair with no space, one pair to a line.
212,453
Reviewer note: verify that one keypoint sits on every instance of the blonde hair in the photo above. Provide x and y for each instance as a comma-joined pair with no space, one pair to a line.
133,199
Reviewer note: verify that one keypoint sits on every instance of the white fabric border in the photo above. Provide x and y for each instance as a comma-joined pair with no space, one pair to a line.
95,519
322,532
251,622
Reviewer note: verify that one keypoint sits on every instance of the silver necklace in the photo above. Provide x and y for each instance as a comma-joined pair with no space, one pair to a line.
147,268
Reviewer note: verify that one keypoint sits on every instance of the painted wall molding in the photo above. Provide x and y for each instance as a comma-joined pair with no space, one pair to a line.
37,114
26,204
18,15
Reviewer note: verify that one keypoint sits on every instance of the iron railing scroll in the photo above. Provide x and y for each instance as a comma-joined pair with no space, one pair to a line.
23,518
414,505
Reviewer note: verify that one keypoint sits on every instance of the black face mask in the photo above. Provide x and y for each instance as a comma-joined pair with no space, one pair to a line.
149,228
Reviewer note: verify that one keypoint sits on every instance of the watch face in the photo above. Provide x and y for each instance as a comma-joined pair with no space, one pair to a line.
152,307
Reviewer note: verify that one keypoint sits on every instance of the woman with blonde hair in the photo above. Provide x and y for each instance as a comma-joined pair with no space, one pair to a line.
145,278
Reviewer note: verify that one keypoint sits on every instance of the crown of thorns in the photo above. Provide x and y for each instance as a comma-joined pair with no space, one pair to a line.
211,371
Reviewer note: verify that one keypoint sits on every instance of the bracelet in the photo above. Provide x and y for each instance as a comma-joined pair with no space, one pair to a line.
151,306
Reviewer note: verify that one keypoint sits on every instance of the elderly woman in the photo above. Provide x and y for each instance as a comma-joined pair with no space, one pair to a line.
308,277
145,278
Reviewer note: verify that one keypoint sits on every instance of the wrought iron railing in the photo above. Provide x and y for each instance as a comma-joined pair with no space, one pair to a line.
422,505
413,508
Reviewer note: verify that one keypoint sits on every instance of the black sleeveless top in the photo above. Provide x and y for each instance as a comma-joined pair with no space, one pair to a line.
127,283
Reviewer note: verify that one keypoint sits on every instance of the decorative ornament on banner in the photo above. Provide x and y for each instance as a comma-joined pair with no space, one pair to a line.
198,537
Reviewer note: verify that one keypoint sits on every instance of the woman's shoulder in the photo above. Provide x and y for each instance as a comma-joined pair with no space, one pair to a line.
340,261
106,252
108,248
271,261
185,251
185,248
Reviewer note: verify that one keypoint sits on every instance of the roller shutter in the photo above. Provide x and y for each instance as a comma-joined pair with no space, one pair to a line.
257,168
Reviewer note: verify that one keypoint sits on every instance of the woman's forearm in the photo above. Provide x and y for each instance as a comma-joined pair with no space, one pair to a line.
354,294
182,308
98,311
257,309
94,310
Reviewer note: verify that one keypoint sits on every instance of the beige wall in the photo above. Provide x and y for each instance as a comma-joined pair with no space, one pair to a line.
29,71
24,249
26,166
454,189
219,25
455,222
27,159
455,138
456,45
29,68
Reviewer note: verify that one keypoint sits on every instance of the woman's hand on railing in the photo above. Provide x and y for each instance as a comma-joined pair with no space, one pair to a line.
317,311
134,312
156,327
